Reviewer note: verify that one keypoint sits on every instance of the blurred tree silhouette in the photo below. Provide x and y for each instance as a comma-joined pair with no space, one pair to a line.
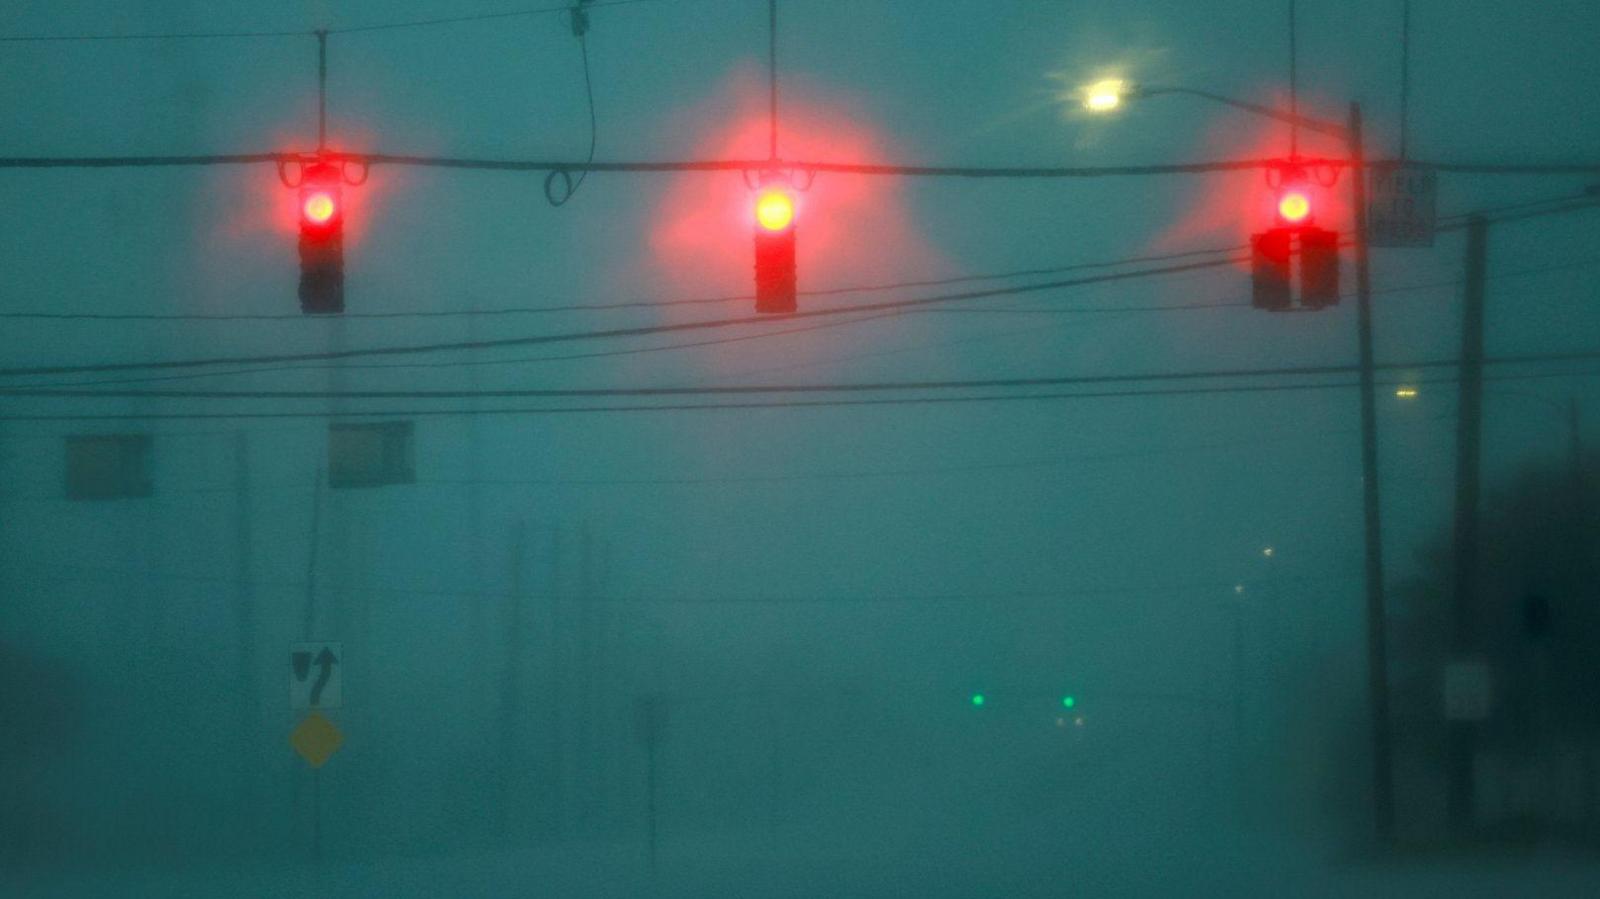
1538,624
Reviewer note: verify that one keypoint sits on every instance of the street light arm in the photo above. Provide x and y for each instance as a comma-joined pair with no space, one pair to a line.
1309,124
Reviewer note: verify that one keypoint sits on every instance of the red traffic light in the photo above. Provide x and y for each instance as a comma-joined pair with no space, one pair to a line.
319,206
1294,207
321,240
774,209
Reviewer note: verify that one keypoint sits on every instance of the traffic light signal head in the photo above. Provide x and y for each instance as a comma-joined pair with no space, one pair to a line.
1269,269
1319,268
774,243
321,240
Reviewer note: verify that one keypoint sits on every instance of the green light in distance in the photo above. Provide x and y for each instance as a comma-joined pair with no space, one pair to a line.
1069,702
978,699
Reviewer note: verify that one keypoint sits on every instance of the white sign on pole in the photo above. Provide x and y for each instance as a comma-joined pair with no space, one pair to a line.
315,680
1402,206
1466,690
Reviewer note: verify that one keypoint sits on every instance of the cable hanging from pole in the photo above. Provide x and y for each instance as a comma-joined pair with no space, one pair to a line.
579,20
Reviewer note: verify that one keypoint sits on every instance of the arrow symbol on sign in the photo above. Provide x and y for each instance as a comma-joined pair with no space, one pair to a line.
302,664
325,661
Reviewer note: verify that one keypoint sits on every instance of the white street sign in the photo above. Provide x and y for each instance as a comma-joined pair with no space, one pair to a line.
316,680
1466,690
1402,206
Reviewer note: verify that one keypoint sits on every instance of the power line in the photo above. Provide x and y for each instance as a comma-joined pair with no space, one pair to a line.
304,32
612,333
621,305
1169,307
838,168
480,17
769,404
639,331
764,389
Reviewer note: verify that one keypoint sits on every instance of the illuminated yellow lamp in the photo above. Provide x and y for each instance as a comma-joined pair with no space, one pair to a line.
1405,392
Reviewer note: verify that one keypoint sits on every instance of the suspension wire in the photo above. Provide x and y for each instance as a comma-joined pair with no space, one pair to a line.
745,165
1294,83
772,79
1405,74
322,91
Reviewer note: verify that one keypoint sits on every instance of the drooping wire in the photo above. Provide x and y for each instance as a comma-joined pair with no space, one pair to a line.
580,27
621,305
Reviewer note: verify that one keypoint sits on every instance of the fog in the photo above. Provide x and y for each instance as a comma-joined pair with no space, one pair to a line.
1030,556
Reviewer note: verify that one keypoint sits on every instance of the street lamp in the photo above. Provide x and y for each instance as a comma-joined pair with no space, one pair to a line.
1108,97
1104,95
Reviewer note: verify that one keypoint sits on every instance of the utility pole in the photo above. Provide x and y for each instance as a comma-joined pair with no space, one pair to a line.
1377,623
245,592
511,684
1575,451
1469,438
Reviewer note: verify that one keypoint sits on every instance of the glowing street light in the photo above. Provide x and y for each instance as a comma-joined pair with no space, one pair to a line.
1405,392
1105,95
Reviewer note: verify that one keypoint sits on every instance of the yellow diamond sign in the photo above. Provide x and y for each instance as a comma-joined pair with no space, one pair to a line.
316,739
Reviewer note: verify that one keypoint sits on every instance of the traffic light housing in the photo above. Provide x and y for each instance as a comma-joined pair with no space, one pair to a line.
1269,269
322,240
774,244
1319,268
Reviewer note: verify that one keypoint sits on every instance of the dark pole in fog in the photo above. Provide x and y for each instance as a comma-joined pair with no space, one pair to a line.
249,695
511,682
1377,623
1469,434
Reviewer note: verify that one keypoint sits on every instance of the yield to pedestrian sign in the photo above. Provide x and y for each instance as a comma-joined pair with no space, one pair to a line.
314,675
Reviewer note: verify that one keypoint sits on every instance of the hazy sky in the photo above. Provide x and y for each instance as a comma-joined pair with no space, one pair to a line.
1163,502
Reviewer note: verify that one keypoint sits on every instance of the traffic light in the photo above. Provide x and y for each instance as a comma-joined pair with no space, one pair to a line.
1319,268
774,238
322,240
1069,701
1272,252
1269,269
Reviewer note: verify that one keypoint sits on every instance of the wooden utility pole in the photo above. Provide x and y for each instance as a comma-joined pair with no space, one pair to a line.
1469,446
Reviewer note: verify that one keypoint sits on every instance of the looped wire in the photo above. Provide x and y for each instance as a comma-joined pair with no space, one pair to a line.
348,165
299,171
566,187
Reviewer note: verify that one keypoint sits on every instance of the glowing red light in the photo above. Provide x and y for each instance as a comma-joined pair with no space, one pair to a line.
1294,207
319,207
774,210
